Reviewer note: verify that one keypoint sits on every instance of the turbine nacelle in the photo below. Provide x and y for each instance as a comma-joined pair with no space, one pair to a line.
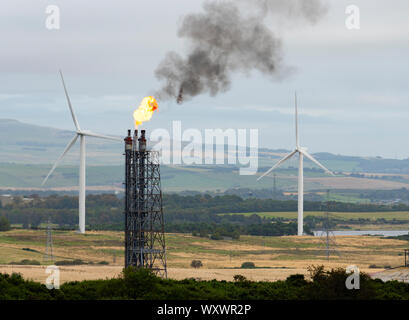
301,149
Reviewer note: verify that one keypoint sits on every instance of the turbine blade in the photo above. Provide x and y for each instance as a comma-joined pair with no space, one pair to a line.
67,148
97,135
296,122
305,153
74,118
288,156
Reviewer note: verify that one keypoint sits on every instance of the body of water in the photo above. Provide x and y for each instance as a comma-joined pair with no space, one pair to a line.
385,233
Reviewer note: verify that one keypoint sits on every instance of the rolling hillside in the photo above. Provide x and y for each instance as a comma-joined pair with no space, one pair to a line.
30,144
27,152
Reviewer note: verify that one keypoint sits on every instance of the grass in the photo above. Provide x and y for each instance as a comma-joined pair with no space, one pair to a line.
182,248
281,255
390,215
181,178
345,198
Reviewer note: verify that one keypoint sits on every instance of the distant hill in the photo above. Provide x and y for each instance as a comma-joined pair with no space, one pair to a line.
26,143
27,152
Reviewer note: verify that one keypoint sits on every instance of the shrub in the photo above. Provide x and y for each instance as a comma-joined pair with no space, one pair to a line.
203,234
331,285
27,262
372,266
28,249
296,280
103,262
216,236
196,264
143,284
239,278
139,282
248,265
69,262
4,224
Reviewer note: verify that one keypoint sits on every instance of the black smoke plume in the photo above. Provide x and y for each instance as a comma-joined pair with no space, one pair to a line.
223,41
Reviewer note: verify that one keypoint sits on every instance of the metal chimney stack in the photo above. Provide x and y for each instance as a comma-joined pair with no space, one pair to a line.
144,224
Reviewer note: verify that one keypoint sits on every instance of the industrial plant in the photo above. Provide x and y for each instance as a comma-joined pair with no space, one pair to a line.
144,226
167,165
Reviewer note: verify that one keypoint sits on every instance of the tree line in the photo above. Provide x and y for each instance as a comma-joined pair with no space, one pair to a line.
143,284
197,214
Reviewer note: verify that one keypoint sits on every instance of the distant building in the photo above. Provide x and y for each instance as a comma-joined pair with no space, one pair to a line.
6,199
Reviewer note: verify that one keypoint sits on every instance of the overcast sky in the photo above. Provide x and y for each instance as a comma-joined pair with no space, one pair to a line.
352,84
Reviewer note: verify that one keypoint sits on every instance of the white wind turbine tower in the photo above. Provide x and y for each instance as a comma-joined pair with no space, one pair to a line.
301,153
81,134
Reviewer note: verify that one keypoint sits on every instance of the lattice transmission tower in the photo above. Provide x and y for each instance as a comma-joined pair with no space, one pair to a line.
327,235
48,254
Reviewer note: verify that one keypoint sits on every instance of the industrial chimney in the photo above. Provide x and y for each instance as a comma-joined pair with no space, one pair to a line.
144,225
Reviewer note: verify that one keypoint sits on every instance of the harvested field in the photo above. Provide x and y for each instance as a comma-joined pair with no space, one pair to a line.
356,183
275,257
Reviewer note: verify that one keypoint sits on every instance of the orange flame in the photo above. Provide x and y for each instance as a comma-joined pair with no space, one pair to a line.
145,110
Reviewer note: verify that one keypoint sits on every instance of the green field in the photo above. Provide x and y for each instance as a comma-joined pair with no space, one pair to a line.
397,215
26,158
352,198
173,178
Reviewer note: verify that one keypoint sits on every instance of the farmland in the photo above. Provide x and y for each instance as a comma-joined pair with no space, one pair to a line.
274,257
397,215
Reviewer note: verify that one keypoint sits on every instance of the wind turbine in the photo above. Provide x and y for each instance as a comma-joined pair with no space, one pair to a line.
302,152
81,134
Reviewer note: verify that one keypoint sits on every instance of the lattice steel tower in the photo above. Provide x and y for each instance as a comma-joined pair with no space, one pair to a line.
48,254
144,225
327,235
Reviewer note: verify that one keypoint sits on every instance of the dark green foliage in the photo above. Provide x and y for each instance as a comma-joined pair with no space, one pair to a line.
16,288
197,213
248,265
402,237
234,230
74,262
31,250
216,236
230,203
297,280
143,284
4,224
140,282
196,264
26,262
239,277
331,285
401,194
